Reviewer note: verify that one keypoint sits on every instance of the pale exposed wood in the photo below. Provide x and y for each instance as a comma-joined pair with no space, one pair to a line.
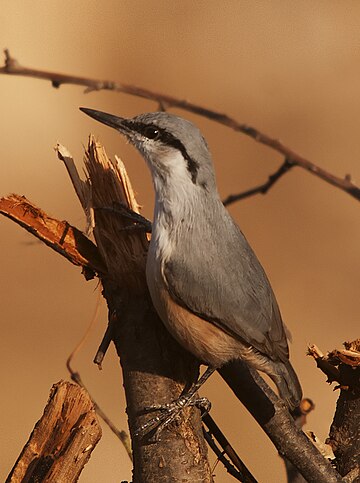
82,188
124,251
62,440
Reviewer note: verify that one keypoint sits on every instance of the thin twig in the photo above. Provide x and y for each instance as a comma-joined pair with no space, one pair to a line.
75,376
263,188
235,466
220,456
13,67
86,334
121,434
106,340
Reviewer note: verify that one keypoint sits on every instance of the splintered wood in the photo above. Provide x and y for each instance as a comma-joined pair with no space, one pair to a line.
122,248
59,235
62,440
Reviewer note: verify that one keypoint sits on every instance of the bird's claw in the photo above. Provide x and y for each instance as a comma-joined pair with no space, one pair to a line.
168,413
140,222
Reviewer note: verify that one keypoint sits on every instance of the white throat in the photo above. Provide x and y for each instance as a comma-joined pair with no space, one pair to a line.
175,196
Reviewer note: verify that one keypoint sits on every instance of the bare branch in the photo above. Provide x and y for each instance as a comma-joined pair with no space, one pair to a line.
272,415
12,67
241,472
75,376
263,188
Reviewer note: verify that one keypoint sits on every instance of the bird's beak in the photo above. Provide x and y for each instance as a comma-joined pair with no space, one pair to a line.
108,119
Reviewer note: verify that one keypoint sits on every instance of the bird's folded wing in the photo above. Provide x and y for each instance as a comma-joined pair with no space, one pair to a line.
232,293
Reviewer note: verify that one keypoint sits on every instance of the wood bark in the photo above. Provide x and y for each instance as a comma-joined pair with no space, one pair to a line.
344,437
343,366
62,440
345,433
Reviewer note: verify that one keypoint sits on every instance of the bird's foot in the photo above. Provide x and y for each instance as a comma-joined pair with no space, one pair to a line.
140,222
168,413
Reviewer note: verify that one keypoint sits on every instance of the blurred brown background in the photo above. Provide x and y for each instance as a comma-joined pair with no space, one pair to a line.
292,69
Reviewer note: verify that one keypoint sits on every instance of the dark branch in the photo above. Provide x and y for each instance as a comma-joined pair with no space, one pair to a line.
12,67
240,472
263,188
272,415
119,433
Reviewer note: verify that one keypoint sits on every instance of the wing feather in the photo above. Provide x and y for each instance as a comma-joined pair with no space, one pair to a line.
229,288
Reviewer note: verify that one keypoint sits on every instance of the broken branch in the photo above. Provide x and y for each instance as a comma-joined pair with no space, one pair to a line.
62,237
62,440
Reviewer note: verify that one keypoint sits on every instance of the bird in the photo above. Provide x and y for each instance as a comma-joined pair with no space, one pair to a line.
205,281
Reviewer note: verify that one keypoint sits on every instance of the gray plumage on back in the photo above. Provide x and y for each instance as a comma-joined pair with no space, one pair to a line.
205,281
250,311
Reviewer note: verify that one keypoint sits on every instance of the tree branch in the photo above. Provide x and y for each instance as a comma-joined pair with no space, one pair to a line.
62,237
13,67
213,432
263,188
272,415
75,376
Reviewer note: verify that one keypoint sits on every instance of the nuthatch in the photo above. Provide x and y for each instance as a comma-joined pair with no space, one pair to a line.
205,281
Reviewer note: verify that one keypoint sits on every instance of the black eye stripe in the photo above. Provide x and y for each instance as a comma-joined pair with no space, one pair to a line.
151,131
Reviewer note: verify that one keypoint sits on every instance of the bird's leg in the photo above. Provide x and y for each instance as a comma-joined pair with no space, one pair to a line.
171,410
123,210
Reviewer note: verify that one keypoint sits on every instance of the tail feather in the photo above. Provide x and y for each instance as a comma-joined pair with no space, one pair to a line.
281,372
287,383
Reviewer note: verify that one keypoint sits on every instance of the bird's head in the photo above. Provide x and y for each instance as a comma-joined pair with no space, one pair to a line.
174,148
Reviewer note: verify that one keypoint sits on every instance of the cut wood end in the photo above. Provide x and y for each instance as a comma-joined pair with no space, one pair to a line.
62,151
350,358
353,345
314,352
81,187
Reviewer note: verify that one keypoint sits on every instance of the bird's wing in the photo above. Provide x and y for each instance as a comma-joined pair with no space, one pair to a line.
229,288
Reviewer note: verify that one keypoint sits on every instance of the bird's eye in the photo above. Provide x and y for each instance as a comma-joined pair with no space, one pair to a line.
151,132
